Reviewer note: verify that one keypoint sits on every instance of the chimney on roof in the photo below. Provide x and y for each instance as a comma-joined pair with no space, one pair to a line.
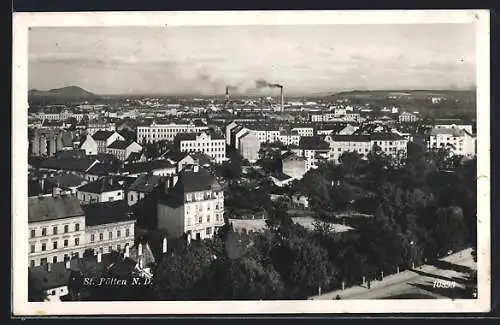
139,249
49,267
127,251
164,245
68,264
189,238
196,168
141,263
99,257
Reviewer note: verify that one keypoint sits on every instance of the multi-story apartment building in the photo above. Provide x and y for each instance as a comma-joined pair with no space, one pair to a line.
105,138
303,131
56,229
108,226
193,207
314,149
97,125
122,149
211,144
459,141
389,143
289,138
157,132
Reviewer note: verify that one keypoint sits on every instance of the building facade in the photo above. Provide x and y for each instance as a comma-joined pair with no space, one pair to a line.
194,207
212,145
157,132
249,147
56,226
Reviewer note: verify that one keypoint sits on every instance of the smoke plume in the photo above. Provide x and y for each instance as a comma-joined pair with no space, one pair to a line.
261,83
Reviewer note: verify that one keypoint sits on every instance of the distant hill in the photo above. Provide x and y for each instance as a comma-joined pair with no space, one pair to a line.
402,93
70,92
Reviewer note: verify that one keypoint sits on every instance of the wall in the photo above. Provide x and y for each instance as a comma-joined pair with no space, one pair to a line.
294,167
86,197
106,242
171,220
60,237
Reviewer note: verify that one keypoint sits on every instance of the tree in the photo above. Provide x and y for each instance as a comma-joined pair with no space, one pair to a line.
350,160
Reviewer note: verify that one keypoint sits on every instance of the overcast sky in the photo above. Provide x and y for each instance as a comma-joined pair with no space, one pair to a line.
305,59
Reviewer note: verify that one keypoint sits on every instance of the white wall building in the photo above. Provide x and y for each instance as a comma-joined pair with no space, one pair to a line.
156,132
212,145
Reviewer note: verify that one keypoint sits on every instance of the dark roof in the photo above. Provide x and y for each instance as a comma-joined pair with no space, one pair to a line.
350,138
72,164
45,280
281,176
450,121
147,166
189,181
77,153
102,135
134,156
145,183
35,187
313,143
103,169
119,144
289,154
51,208
186,136
67,180
385,137
106,212
104,184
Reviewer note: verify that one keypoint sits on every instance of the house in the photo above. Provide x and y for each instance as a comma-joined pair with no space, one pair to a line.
105,189
106,138
249,147
407,117
281,180
300,201
143,185
209,143
167,131
56,227
51,279
89,145
314,149
109,226
101,169
159,167
136,157
293,165
122,149
193,207
66,183
340,143
459,141
453,124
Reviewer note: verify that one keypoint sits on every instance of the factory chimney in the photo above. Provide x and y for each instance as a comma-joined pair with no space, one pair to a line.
227,97
282,103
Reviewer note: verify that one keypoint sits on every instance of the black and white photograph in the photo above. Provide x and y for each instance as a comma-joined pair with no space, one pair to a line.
293,165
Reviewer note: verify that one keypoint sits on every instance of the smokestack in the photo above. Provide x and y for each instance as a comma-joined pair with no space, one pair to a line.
164,246
282,103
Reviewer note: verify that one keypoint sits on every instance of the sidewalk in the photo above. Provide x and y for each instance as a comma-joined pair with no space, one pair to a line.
397,278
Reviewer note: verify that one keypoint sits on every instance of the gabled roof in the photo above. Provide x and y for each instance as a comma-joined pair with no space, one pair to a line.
71,164
386,137
67,180
119,144
43,279
102,135
350,138
106,212
287,155
102,185
145,183
103,169
51,208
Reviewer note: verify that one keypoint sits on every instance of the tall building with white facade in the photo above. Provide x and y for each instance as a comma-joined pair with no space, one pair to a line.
211,144
56,226
459,141
157,132
249,147
193,207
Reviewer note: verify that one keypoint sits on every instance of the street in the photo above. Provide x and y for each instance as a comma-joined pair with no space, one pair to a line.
443,279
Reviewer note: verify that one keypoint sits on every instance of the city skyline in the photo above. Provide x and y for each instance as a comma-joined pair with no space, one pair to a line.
202,60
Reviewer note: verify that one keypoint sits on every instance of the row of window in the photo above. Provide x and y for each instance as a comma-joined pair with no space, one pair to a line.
55,230
43,261
110,235
54,245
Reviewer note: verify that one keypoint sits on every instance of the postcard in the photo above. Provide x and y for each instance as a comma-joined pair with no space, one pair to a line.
291,162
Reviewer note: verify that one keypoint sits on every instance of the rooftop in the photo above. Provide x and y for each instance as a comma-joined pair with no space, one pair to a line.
148,166
71,164
313,143
102,135
47,208
102,185
145,183
106,212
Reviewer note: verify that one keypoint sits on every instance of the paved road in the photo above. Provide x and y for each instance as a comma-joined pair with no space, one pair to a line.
417,283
